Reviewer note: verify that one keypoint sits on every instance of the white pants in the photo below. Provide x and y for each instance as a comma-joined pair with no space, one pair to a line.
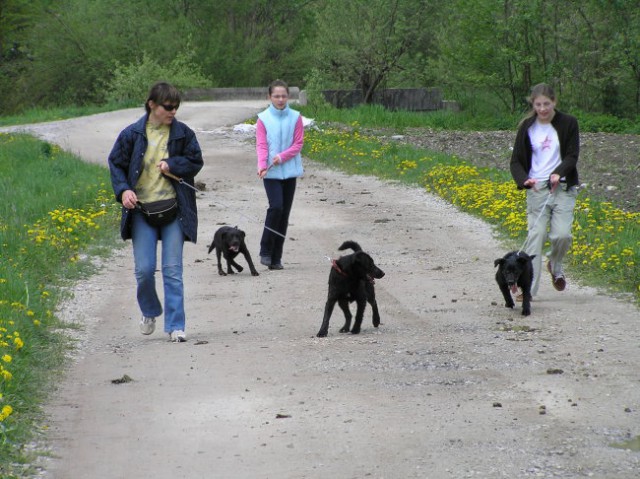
552,212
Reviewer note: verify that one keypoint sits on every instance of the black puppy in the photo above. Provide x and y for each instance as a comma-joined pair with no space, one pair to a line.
515,269
351,279
229,241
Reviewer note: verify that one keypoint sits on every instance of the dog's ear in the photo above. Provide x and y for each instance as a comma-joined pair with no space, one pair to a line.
498,262
532,256
242,234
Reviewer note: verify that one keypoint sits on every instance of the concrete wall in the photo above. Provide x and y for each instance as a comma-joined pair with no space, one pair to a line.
219,94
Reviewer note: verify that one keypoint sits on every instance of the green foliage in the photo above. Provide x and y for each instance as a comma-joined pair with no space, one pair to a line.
68,52
132,82
46,222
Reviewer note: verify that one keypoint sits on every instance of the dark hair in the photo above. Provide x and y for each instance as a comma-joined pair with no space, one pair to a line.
541,89
162,92
276,83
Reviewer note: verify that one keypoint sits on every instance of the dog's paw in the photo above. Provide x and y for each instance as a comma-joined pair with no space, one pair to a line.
222,273
344,329
355,331
526,311
322,334
510,305
255,273
239,268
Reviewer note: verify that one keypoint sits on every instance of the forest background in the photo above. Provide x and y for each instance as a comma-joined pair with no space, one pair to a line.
484,54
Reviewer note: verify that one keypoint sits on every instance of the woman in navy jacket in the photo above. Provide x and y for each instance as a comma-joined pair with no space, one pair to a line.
142,156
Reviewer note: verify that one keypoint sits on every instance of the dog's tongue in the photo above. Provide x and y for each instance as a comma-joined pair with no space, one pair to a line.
514,288
233,248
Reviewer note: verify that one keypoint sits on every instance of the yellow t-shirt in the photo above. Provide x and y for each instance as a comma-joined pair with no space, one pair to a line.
153,185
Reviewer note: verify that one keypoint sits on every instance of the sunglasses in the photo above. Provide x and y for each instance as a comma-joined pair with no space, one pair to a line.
170,107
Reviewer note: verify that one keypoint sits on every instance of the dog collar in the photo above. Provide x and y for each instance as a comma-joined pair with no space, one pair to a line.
334,265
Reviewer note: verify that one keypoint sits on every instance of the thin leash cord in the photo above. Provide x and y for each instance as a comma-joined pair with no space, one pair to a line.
184,183
546,202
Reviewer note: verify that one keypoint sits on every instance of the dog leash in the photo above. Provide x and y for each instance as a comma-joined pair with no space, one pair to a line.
546,202
182,182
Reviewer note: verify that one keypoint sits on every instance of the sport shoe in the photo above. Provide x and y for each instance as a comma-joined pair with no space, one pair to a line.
147,325
559,281
177,336
265,260
276,266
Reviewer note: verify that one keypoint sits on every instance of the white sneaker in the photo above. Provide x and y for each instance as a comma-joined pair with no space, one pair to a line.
178,336
147,325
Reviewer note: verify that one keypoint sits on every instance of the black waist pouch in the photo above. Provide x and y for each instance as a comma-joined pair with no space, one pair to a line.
159,213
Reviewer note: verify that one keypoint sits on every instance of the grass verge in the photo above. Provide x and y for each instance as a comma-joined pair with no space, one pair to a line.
55,213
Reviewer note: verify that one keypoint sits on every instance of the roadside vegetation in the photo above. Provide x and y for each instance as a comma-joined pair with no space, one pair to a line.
57,214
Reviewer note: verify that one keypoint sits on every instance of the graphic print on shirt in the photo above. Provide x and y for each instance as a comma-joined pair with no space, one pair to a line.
545,147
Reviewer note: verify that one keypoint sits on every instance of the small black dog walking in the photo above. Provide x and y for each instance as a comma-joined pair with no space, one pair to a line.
229,242
515,270
351,279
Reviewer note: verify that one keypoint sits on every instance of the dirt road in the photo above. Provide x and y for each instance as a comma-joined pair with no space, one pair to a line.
452,384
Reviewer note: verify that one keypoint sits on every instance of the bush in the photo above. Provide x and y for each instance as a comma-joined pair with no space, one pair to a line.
130,83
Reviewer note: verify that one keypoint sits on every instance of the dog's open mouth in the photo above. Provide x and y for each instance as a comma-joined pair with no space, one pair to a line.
234,247
514,288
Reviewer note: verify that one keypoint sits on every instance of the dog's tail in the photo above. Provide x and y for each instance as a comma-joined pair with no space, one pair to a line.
350,245
211,247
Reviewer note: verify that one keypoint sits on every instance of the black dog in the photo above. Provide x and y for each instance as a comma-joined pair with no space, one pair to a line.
515,269
351,279
229,241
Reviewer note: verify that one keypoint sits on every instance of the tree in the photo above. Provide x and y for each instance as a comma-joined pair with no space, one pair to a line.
361,43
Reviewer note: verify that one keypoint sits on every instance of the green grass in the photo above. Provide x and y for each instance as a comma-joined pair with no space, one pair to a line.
54,208
375,116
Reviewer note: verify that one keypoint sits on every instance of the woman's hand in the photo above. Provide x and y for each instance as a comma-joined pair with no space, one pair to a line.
262,173
129,199
531,183
163,166
554,180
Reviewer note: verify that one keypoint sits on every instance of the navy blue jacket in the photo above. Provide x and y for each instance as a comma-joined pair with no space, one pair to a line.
569,137
185,161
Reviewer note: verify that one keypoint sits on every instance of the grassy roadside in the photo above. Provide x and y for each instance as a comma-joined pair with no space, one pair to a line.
56,212
606,249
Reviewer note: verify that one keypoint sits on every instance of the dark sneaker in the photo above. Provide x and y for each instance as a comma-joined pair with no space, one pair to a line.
265,260
559,281
276,266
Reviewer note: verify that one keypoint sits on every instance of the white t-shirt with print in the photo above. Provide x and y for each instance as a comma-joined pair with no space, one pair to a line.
546,150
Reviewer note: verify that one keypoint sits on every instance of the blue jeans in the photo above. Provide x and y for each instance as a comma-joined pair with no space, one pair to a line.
145,241
280,195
